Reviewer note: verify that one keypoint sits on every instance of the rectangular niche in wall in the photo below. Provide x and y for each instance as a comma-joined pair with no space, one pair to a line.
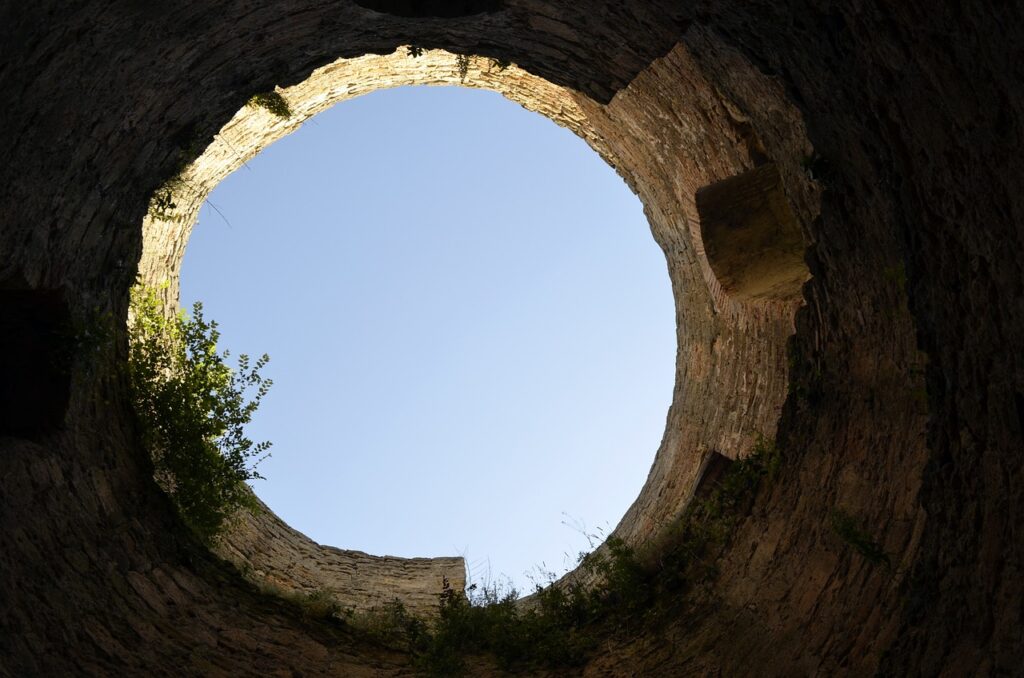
711,472
35,380
751,237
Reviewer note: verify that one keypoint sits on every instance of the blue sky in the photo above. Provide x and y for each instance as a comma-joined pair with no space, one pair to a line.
470,327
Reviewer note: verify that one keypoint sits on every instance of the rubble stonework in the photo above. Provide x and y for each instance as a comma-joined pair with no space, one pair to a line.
892,383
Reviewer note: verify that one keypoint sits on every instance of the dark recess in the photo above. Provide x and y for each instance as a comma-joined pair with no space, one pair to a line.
34,361
421,9
751,237
710,475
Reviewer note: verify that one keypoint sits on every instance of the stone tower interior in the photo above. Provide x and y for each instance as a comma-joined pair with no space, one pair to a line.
837,189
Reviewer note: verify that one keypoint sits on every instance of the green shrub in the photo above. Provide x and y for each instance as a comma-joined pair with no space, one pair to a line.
633,589
318,604
192,408
392,625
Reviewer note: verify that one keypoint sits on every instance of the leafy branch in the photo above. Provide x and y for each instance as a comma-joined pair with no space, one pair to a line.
192,408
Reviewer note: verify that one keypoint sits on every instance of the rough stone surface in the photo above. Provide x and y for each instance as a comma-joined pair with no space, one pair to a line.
899,397
751,238
740,353
273,555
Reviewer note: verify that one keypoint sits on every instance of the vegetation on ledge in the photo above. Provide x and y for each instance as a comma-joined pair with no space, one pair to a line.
192,409
630,590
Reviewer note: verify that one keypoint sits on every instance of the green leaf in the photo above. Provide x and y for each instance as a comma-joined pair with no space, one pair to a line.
193,408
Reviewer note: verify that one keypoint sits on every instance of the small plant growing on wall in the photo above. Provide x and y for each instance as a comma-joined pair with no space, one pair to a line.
633,589
162,205
847,528
500,64
273,102
192,408
462,64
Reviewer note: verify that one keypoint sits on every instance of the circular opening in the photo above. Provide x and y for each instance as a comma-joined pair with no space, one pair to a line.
727,389
471,329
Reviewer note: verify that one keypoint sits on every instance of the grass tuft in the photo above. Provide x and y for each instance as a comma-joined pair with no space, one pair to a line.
633,590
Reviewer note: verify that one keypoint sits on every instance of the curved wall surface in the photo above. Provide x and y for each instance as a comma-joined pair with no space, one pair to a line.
877,145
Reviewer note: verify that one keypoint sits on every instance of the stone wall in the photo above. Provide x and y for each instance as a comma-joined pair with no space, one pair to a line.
743,348
893,386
